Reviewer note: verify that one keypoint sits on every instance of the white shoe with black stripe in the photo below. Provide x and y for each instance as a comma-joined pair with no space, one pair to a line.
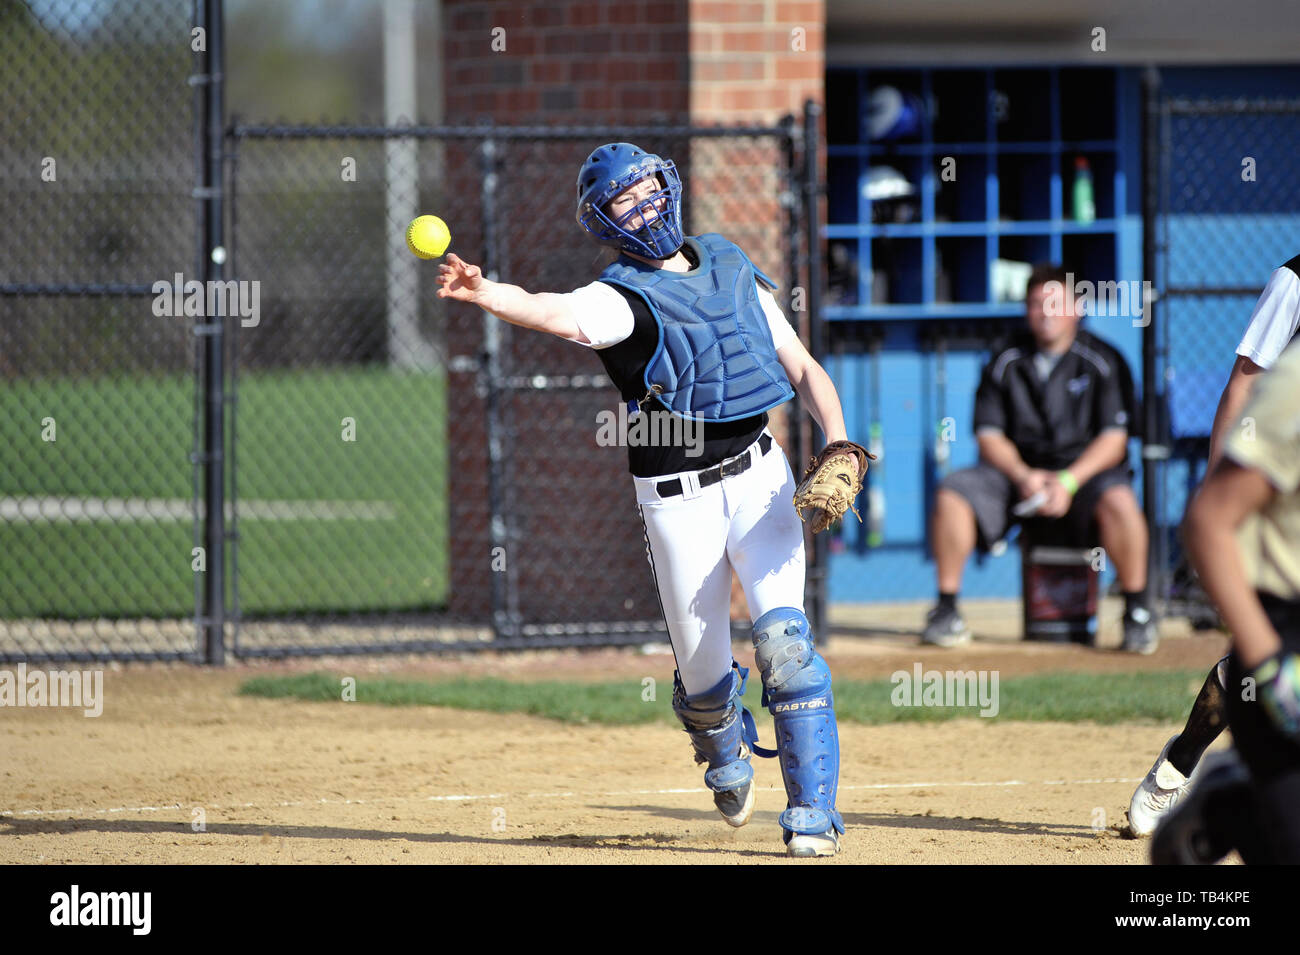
1158,793
803,846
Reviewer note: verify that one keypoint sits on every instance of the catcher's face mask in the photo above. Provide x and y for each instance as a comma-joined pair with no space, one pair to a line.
652,226
638,205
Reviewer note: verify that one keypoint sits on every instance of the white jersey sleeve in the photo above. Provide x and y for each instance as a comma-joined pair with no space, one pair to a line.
1274,321
782,331
603,315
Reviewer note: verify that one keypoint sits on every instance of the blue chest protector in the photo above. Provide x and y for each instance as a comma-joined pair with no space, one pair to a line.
715,360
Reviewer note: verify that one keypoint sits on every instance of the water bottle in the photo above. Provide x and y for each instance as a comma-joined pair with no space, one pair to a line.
1085,210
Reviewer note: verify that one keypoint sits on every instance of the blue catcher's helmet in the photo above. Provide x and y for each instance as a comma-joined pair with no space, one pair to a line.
608,171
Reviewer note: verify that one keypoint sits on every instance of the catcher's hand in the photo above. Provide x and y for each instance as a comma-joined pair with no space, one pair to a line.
459,279
830,484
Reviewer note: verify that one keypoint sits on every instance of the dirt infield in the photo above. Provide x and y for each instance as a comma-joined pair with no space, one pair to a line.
277,781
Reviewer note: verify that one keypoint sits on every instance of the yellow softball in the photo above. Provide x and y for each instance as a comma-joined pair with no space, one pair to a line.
427,237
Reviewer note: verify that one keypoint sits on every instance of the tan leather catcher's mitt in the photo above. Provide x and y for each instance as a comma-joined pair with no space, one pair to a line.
830,484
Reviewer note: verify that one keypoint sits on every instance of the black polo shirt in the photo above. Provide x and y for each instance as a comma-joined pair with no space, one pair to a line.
1051,421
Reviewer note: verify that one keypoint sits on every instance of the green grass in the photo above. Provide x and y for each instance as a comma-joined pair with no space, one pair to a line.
1064,697
131,438
615,704
1162,696
291,447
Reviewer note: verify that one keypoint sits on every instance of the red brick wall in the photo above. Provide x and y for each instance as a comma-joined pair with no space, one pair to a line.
602,60
593,62
569,61
755,60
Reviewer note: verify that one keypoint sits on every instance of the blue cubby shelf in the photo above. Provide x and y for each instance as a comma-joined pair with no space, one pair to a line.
940,229
904,312
1011,174
962,149
911,304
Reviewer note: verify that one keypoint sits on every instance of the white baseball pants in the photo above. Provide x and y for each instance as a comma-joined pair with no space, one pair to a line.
695,539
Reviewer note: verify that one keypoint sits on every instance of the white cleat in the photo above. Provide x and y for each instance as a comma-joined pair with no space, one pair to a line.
1156,794
803,846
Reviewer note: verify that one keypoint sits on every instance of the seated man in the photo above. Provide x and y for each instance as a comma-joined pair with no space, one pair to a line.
1051,418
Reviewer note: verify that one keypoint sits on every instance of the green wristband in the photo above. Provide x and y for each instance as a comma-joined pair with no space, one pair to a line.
1067,481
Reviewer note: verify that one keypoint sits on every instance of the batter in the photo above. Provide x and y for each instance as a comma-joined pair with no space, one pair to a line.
688,326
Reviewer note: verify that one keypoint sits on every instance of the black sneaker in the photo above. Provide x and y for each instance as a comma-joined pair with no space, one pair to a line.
736,805
944,627
1140,634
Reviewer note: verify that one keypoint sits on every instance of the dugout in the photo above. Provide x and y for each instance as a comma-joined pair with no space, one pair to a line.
1000,104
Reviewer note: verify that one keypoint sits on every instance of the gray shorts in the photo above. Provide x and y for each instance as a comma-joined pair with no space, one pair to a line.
991,496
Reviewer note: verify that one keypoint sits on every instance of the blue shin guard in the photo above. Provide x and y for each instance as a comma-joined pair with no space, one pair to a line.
722,737
797,691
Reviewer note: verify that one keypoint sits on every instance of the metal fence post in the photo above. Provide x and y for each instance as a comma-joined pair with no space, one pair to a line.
502,625
793,200
233,614
817,339
1154,446
210,330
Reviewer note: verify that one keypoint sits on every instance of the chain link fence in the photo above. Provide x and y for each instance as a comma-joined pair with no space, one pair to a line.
97,389
339,430
1229,201
447,465
400,473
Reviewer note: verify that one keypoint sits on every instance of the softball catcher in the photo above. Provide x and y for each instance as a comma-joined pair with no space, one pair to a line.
687,326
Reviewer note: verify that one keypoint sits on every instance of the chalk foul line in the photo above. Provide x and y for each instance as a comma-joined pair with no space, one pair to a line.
481,797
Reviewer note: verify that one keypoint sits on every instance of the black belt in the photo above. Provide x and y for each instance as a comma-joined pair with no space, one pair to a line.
737,465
